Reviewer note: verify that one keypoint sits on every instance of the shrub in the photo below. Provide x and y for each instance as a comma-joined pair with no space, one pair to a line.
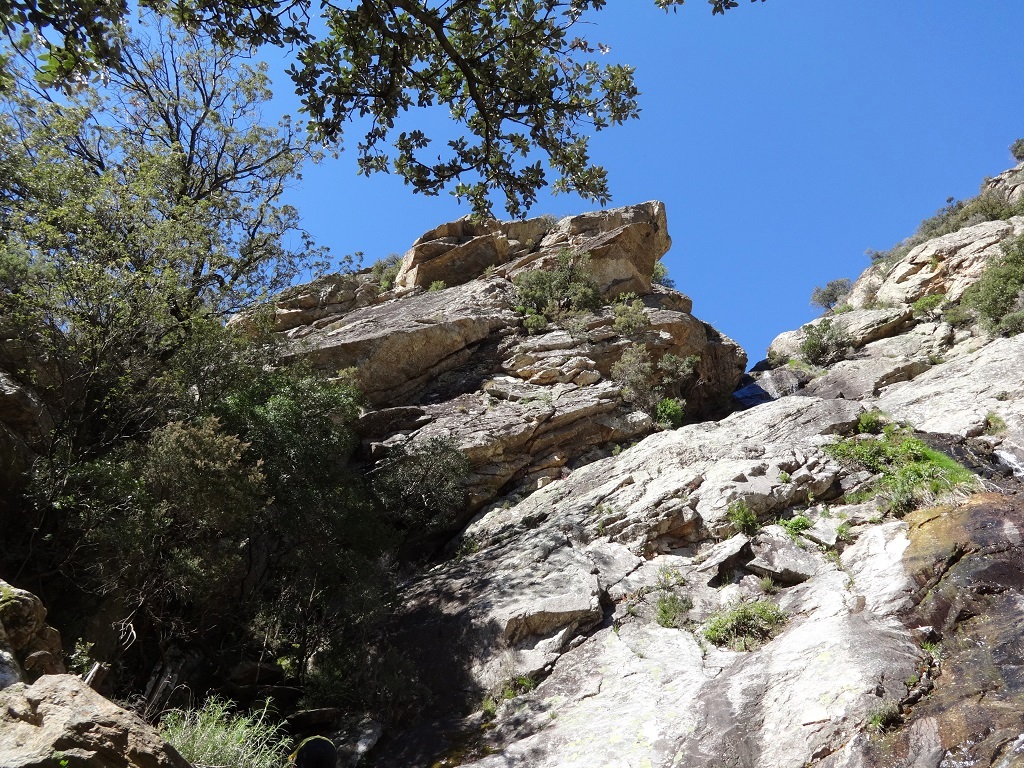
634,372
768,585
745,626
829,296
534,323
672,610
957,315
630,317
566,288
743,517
385,270
927,304
661,277
911,472
824,343
1012,324
796,525
670,412
214,736
437,285
994,424
871,423
422,487
998,292
1017,150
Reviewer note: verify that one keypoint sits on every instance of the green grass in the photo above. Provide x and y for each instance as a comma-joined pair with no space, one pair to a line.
884,717
911,472
745,626
672,610
215,736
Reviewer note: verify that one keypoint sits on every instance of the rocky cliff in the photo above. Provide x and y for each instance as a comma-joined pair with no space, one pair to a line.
589,623
797,575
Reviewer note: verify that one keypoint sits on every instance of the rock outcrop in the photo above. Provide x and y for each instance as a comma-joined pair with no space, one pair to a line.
600,589
60,722
28,646
454,361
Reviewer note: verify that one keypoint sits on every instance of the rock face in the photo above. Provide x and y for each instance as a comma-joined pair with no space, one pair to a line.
27,645
59,722
601,588
455,362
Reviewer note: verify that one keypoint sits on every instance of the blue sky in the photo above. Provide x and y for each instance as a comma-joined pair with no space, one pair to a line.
785,139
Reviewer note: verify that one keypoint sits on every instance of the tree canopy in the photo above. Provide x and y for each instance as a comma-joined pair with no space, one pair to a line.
521,87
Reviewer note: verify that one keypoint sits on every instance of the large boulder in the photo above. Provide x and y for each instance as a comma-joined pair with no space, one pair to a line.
28,647
60,722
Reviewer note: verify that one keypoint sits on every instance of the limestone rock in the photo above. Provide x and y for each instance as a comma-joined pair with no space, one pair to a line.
857,379
60,721
957,396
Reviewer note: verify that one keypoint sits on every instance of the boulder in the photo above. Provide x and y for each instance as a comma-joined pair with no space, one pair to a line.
780,557
28,647
60,722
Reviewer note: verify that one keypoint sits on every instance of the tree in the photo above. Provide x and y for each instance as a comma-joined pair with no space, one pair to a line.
132,215
515,79
829,296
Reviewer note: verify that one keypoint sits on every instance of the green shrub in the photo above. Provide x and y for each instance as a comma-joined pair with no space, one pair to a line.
796,525
670,412
437,285
824,343
927,304
957,315
957,214
744,626
214,736
842,309
661,277
768,585
630,315
743,517
911,472
534,322
1017,150
672,610
871,423
517,686
1011,324
829,296
634,372
998,292
554,292
994,424
385,270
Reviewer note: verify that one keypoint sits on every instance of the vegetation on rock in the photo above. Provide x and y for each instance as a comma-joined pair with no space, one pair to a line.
910,472
556,293
829,296
824,343
214,735
745,626
998,296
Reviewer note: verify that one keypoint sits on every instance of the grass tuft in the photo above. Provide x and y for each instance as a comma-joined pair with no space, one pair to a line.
215,736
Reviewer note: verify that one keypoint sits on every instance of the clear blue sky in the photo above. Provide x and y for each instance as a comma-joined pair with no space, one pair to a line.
785,139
